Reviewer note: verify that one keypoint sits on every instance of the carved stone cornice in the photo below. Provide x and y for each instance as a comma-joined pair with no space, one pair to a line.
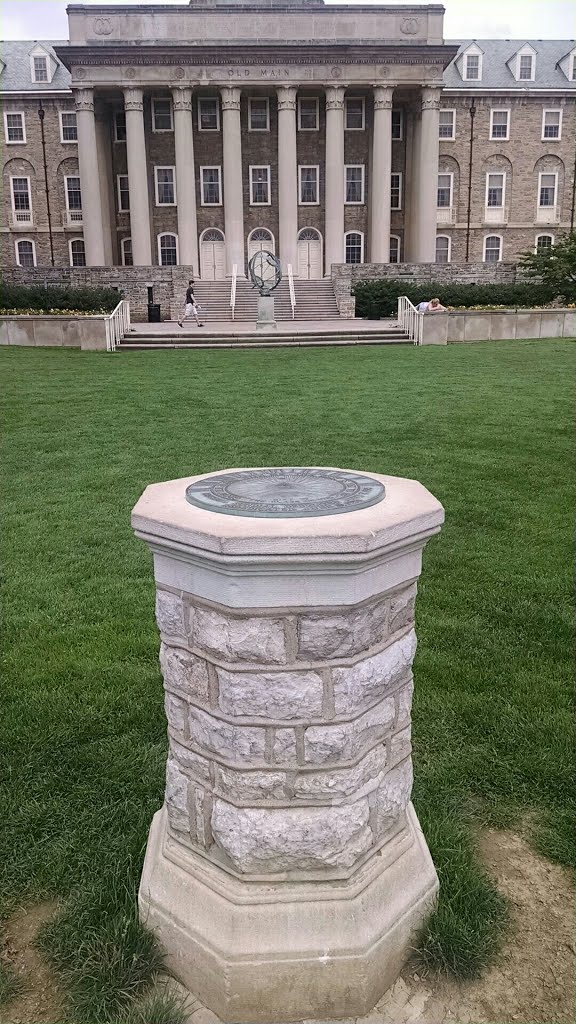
335,97
431,99
286,97
133,99
182,98
383,97
84,100
230,97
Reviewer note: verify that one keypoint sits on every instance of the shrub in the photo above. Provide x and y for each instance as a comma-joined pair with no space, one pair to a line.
380,298
556,267
44,300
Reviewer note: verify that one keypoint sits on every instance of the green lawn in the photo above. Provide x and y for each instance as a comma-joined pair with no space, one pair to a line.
82,736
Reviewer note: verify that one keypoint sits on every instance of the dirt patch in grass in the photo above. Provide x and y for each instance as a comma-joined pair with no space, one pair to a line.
39,999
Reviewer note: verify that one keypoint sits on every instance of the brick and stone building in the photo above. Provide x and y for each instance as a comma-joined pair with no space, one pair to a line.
195,135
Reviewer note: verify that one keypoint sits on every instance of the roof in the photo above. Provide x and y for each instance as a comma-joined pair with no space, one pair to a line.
16,76
497,75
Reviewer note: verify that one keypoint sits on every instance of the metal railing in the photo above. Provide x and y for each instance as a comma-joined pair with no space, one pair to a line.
291,288
117,325
410,319
233,289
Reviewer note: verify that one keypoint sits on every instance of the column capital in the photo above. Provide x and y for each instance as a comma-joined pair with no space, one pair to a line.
286,97
335,97
133,99
431,98
84,99
182,98
383,97
230,97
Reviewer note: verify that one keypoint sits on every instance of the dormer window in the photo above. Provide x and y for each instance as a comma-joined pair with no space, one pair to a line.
525,67
40,69
522,64
42,64
573,69
472,67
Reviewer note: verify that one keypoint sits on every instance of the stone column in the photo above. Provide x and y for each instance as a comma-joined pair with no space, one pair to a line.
287,177
334,229
286,875
89,179
381,176
137,178
233,178
106,184
426,178
185,177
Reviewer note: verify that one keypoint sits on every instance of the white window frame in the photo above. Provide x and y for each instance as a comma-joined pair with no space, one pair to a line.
211,167
355,202
503,204
309,99
260,167
40,56
465,76
449,260
363,102
447,138
400,137
493,234
67,142
396,174
123,252
399,240
315,167
573,68
165,167
122,209
552,110
446,174
162,99
159,238
208,99
15,113
544,234
17,243
75,209
70,241
18,177
532,67
500,110
362,245
115,119
553,174
259,99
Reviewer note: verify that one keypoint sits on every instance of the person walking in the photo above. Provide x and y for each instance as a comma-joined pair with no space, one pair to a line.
191,308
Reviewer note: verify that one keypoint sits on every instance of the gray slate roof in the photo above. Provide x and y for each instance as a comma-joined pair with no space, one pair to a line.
16,76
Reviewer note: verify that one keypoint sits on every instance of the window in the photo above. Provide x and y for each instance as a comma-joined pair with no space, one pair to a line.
444,190
308,114
21,205
573,70
442,249
260,186
308,185
495,184
73,195
396,192
397,125
544,242
168,250
354,184
211,183
14,127
40,69
119,126
547,190
25,253
68,126
551,124
77,252
354,118
165,190
492,249
126,251
208,114
499,124
162,115
525,67
123,193
259,115
354,247
472,67
394,249
447,124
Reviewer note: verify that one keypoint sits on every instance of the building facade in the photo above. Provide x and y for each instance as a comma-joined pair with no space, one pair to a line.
196,135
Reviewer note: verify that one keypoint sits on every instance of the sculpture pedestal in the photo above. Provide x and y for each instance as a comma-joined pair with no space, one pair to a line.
266,321
286,875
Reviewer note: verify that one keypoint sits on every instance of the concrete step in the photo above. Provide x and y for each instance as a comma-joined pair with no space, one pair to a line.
266,341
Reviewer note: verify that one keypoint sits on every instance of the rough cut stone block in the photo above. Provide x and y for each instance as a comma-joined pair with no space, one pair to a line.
195,764
391,798
284,747
185,672
249,787
402,608
271,694
360,685
337,784
400,746
170,614
177,797
176,713
235,743
199,832
404,701
291,840
235,639
342,634
345,741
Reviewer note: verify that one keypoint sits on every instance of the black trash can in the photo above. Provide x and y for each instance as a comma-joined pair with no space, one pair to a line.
154,313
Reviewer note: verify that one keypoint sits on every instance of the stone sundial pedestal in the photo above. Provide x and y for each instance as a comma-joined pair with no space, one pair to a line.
286,874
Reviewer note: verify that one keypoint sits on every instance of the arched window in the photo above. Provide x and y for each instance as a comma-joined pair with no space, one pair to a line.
544,242
25,253
126,248
212,235
354,246
77,252
309,235
168,250
443,247
492,249
394,249
260,235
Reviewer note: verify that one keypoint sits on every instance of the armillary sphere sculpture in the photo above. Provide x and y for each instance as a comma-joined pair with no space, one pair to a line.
265,271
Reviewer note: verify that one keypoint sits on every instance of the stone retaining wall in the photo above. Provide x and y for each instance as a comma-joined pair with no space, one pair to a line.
85,332
498,325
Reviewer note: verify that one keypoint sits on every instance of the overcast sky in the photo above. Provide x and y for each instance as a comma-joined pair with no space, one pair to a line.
497,19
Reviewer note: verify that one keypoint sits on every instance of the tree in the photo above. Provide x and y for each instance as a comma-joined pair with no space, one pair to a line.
555,267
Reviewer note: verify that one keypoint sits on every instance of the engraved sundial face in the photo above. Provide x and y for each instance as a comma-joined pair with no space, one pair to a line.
285,493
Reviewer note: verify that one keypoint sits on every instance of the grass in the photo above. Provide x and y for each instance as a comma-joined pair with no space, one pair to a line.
82,735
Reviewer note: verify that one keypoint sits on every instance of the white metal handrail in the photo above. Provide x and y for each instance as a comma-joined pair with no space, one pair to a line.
410,319
292,292
233,289
117,325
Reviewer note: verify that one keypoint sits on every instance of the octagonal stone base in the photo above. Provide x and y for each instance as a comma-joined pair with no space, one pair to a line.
250,951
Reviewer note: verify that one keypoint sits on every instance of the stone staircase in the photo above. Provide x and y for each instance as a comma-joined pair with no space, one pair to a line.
315,300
